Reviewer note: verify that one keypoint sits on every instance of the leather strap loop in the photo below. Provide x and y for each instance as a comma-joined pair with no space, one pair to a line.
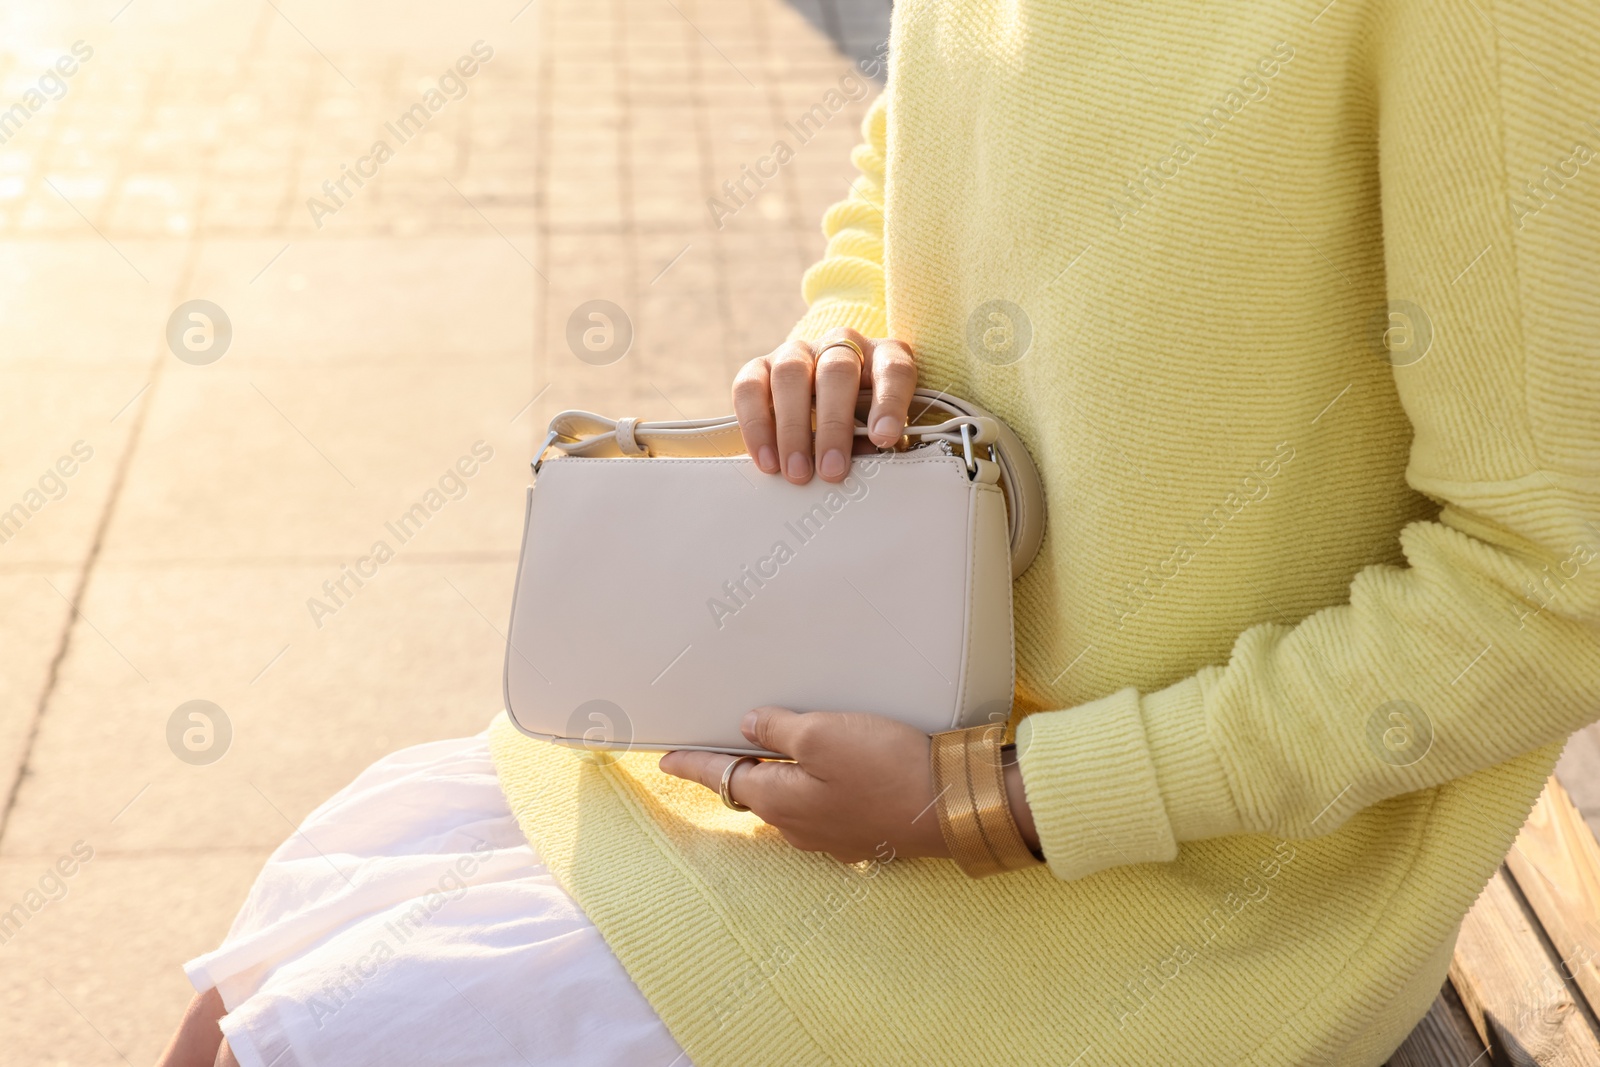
626,441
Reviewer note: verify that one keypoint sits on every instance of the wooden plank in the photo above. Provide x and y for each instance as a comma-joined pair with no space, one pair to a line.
1508,982
1556,862
1444,1038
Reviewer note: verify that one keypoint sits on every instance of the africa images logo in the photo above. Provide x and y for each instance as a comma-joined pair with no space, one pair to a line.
741,589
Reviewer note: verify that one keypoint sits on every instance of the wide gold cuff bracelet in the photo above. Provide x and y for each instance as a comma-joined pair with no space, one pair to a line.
974,811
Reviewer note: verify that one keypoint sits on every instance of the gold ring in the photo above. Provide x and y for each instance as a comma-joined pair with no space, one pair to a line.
727,777
846,343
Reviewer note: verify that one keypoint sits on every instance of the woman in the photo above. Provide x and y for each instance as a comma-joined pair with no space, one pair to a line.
1294,306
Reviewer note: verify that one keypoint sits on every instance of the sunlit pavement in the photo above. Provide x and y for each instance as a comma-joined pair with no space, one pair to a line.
193,494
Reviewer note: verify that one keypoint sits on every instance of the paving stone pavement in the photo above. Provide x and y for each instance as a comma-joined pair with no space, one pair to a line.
177,515
380,333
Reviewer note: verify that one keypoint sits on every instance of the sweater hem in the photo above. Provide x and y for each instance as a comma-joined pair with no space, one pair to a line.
1281,1043
570,786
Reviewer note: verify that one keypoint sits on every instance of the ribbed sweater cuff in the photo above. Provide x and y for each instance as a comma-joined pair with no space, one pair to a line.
1123,779
1194,787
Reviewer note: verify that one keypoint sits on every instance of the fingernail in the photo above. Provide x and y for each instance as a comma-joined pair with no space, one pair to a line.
833,464
799,465
887,426
767,459
748,723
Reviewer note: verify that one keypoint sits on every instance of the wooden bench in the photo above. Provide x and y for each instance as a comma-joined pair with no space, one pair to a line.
1524,984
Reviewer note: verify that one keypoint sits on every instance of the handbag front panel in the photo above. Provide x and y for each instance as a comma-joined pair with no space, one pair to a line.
659,599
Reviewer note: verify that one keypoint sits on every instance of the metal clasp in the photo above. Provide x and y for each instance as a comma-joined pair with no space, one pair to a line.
538,457
966,449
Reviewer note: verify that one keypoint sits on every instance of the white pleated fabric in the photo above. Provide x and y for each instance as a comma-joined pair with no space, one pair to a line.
408,921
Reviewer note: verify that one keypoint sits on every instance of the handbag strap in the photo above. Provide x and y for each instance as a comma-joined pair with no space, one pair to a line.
937,416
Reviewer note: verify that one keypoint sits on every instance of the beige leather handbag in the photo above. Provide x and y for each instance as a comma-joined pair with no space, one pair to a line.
667,585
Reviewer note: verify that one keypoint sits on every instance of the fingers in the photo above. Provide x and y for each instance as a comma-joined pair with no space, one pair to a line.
777,730
894,379
774,396
706,768
791,371
838,383
752,403
761,787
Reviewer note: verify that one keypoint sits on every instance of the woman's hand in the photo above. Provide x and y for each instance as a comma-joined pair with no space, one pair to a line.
773,396
858,781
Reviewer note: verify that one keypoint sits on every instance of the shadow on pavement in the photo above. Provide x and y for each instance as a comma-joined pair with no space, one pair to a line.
858,28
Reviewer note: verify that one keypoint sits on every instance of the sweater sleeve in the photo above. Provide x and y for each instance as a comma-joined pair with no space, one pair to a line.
1486,644
845,287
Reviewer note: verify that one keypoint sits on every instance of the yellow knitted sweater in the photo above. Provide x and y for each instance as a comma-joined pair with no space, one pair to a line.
1296,305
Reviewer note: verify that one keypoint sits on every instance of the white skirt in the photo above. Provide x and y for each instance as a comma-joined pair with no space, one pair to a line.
408,921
